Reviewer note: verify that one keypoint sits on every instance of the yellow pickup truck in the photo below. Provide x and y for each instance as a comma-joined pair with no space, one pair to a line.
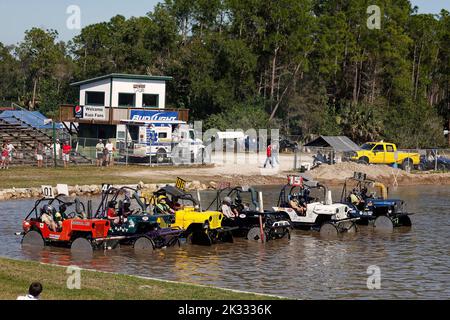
385,153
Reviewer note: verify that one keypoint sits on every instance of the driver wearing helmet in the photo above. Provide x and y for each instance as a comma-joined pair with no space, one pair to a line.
162,207
227,211
112,214
356,199
47,214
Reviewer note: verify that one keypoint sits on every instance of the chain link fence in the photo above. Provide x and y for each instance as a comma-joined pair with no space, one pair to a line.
135,153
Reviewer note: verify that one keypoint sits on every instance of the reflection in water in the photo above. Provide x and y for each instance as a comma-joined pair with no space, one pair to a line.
414,262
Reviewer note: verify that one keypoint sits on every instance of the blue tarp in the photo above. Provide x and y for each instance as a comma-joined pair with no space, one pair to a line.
33,118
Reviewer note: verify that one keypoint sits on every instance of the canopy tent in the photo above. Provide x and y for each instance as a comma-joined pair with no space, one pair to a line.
337,143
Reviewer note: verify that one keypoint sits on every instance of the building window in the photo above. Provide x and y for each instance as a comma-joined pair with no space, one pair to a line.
94,98
127,99
150,101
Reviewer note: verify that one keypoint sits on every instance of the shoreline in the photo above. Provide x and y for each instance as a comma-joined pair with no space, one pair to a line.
203,185
87,181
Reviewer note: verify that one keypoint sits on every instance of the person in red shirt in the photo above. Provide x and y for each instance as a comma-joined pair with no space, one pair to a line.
269,156
5,156
66,149
112,214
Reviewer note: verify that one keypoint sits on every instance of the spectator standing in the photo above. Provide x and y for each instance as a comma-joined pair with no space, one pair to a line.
34,292
11,150
5,156
110,147
99,149
40,155
269,156
66,149
56,146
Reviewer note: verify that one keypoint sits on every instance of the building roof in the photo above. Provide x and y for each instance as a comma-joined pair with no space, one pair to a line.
122,76
338,143
33,118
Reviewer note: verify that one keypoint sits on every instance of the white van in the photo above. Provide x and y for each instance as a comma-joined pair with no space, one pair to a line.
160,139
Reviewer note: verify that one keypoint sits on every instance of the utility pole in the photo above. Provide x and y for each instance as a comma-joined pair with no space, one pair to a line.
54,143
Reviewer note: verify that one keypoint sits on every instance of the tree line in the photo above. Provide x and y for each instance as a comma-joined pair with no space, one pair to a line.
307,67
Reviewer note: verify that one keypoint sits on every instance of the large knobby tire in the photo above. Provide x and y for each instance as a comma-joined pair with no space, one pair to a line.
200,238
328,230
404,221
383,224
33,239
143,245
227,236
81,246
255,234
352,229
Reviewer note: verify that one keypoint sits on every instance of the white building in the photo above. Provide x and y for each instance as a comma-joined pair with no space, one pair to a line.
124,91
107,100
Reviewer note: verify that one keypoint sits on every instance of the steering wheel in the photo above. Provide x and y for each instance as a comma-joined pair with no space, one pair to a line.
71,215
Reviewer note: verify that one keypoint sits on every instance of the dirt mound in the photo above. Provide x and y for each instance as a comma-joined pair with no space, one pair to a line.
344,170
336,174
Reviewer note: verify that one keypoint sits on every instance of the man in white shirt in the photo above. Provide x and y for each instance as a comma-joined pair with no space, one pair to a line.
56,146
110,147
11,149
100,148
34,292
226,209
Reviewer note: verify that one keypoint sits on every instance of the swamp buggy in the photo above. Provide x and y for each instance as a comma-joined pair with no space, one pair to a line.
360,193
76,229
198,227
133,222
304,203
250,222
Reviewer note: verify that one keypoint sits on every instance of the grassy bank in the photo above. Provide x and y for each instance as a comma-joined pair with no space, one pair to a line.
27,177
16,276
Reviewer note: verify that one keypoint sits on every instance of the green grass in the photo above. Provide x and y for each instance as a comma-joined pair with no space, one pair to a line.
27,177
16,277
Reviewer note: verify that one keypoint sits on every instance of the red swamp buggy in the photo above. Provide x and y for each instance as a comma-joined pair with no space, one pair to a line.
77,230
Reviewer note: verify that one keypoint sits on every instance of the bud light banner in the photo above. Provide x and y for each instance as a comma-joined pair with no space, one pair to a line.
153,115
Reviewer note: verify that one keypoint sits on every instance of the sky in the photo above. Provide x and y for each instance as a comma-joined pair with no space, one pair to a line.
17,16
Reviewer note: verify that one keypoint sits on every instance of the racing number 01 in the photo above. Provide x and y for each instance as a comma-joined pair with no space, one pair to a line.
47,192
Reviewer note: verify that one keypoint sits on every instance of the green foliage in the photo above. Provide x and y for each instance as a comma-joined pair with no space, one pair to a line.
308,67
361,122
240,116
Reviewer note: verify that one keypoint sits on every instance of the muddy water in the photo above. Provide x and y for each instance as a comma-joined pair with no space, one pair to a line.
414,263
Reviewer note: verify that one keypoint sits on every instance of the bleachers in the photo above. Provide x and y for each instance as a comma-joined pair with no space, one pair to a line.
25,138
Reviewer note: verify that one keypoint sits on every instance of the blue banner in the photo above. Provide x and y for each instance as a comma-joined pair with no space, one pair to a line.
153,115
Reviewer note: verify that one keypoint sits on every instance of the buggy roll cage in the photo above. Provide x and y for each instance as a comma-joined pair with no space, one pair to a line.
362,182
79,206
176,193
103,206
284,195
238,190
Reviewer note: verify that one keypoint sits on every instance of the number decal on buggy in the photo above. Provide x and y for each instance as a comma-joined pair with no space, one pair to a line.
47,191
295,181
180,184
